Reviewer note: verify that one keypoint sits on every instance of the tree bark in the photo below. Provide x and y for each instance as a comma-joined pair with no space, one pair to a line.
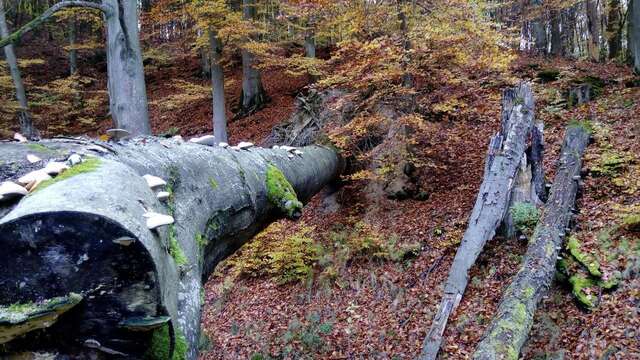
510,327
556,37
634,34
24,118
309,43
125,71
538,29
217,84
253,96
593,22
614,29
87,234
504,156
73,53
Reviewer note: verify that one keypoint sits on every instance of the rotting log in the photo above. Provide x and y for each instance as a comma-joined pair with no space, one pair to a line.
87,234
506,150
510,327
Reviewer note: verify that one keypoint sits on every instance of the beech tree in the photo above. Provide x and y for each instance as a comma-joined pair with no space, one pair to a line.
253,96
24,118
127,89
634,33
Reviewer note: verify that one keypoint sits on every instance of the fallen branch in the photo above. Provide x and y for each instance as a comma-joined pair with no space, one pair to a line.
510,327
506,150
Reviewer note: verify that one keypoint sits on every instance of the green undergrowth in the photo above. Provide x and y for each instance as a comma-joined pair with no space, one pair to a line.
525,217
281,194
295,256
88,165
160,345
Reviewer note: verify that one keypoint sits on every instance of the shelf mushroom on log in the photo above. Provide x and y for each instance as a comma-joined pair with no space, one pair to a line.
83,239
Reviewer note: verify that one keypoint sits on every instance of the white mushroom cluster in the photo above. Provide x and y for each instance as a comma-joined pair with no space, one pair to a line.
292,151
29,182
156,220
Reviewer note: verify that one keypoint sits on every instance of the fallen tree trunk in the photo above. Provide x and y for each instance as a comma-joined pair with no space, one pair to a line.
510,327
506,150
87,233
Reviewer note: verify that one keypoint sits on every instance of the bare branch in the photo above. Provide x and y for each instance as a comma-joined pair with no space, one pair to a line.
48,13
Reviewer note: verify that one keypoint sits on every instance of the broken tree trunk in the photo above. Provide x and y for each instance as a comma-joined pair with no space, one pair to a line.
510,327
506,150
87,233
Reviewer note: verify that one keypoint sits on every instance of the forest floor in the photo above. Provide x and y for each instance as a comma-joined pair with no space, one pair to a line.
357,304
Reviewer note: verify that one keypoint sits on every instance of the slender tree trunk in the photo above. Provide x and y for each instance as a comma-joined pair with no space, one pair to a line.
217,84
538,29
634,33
569,31
127,89
614,29
510,327
24,118
73,53
556,34
593,22
309,43
407,78
253,95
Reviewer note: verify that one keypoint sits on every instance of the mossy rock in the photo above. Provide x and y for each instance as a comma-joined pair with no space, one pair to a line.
281,194
632,222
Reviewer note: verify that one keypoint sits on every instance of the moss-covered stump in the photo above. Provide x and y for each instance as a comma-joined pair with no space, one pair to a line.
94,231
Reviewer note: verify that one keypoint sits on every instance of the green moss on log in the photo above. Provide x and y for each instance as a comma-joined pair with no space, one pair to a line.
281,194
175,250
161,344
591,264
580,286
88,165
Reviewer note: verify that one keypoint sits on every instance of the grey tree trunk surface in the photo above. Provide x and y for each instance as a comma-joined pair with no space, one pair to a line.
310,43
506,150
217,86
538,29
24,118
125,72
86,234
593,22
510,327
614,28
73,53
634,34
556,37
253,96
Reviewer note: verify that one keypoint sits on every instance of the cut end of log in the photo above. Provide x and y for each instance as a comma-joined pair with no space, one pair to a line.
53,255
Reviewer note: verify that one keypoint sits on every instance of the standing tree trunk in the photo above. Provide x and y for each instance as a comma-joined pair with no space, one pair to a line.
569,31
125,72
24,118
506,151
217,85
556,34
614,29
127,89
593,22
253,96
73,52
634,33
93,238
309,42
510,327
538,29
